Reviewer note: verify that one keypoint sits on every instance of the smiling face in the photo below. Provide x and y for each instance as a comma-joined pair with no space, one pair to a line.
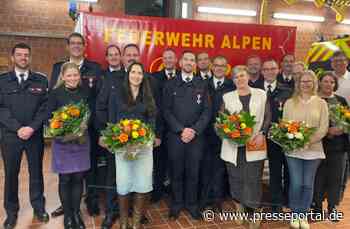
270,71
131,55
254,65
287,64
339,64
203,62
241,79
21,58
219,67
306,84
113,57
169,59
135,75
71,78
188,62
76,47
327,85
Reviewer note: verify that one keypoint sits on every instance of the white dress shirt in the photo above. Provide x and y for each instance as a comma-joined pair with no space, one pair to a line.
26,74
216,80
273,85
344,86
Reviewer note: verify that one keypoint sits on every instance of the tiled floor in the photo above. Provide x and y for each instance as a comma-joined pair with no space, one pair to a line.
156,213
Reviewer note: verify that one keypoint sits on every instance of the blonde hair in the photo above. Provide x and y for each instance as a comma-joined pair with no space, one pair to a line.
66,66
238,69
297,92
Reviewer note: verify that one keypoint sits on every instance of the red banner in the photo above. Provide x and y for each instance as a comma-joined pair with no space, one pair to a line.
234,41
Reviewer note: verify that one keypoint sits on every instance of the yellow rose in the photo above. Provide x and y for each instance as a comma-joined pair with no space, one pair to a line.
134,134
137,121
243,126
125,122
226,130
135,127
64,116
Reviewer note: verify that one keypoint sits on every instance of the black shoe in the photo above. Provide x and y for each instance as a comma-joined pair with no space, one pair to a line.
144,220
109,220
57,212
42,216
217,207
333,215
173,215
92,207
68,222
196,215
156,197
10,222
78,221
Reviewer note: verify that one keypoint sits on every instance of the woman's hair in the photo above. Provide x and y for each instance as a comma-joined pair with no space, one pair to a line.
66,66
297,91
238,69
333,76
145,92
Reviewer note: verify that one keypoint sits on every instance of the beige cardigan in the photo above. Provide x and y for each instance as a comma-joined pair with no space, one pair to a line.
257,108
314,113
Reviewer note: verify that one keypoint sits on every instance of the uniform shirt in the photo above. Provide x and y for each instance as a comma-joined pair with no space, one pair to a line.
186,104
273,85
18,73
216,80
22,105
205,75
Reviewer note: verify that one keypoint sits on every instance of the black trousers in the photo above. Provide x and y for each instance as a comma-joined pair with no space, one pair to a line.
329,179
12,150
279,177
213,176
185,160
111,186
160,168
91,176
70,189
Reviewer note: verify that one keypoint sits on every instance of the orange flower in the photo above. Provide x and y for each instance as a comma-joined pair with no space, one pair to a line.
293,128
235,134
74,112
233,118
142,132
123,138
247,131
55,124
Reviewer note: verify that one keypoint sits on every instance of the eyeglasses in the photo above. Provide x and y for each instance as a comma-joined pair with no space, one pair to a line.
75,43
269,69
219,66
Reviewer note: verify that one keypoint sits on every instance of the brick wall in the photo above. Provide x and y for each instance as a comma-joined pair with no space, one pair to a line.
44,24
306,31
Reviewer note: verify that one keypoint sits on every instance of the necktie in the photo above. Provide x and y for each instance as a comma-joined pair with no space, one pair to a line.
269,90
170,75
21,76
188,79
205,77
218,84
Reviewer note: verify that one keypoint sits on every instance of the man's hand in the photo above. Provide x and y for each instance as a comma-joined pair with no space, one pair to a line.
101,143
157,142
188,135
25,132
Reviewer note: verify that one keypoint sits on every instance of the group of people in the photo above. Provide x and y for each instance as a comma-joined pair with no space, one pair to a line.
182,106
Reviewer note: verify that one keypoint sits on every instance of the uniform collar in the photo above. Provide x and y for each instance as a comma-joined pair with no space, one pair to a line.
273,85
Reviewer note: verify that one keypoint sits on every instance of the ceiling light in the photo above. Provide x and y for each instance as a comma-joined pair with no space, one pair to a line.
226,11
298,17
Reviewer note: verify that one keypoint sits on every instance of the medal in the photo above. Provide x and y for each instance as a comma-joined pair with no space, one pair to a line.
199,99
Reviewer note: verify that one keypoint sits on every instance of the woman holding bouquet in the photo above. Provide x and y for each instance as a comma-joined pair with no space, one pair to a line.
70,159
330,172
131,100
307,107
244,167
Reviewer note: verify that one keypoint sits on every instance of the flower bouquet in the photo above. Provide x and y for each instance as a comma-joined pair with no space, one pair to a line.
236,127
69,123
291,135
340,116
128,137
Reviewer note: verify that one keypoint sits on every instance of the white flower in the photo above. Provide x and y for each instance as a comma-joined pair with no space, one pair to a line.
290,136
299,136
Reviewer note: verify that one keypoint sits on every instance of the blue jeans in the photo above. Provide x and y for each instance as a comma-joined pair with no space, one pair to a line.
301,187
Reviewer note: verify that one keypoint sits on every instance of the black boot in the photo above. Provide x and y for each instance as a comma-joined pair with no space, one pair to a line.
68,222
78,221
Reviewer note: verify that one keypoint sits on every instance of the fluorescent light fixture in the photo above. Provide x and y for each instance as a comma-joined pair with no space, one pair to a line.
184,10
346,22
89,1
226,11
298,17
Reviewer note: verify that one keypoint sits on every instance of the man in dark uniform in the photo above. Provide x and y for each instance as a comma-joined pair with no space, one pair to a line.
160,157
186,110
286,75
213,170
256,80
277,94
23,102
113,71
203,66
91,78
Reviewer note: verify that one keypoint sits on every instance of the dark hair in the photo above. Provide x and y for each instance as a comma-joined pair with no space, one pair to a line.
331,74
169,50
75,34
130,45
20,46
270,60
338,54
145,92
287,54
112,46
253,57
